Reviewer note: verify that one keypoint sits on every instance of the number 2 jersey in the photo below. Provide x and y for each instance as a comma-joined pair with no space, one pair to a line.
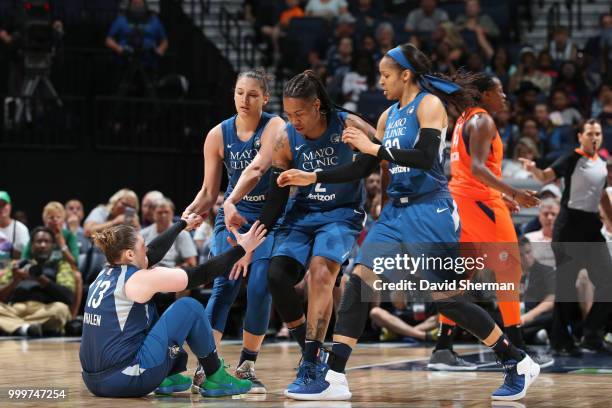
325,153
114,327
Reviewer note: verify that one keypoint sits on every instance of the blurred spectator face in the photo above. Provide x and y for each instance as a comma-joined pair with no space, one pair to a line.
544,60
530,129
541,114
561,36
54,219
606,21
364,4
559,100
249,97
428,6
529,98
495,98
22,217
345,48
147,207
137,5
163,215
523,151
528,60
42,246
590,138
472,8
475,63
501,58
568,71
122,204
384,35
527,258
368,44
372,184
548,214
502,117
75,207
5,211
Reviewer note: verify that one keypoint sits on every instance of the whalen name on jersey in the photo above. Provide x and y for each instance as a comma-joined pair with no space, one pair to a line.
92,319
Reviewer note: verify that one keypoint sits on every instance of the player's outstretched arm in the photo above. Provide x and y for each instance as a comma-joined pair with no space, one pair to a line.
253,173
160,245
213,169
144,283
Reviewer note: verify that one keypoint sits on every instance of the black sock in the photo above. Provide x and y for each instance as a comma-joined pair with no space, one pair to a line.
339,356
445,337
210,363
311,350
505,350
515,335
299,334
247,354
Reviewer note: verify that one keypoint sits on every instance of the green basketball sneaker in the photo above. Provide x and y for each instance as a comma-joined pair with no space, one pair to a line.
221,383
174,383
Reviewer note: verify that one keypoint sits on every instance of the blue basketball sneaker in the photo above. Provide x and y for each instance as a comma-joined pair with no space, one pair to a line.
519,376
326,385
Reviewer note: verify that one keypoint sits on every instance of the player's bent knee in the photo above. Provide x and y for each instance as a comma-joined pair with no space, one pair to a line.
190,303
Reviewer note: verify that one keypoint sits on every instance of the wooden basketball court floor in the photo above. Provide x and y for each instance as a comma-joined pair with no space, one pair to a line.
379,375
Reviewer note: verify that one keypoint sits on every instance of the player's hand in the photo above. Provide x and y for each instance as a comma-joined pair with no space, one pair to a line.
357,139
295,177
528,165
193,221
527,198
252,238
232,216
512,205
241,267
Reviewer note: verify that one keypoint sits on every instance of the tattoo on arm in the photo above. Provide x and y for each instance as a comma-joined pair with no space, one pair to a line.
279,156
316,331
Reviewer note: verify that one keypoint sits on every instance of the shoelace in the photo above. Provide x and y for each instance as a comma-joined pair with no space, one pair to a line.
509,376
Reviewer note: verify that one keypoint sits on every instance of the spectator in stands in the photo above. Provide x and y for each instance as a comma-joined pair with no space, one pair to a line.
508,131
122,207
339,62
327,9
183,251
545,65
501,66
542,238
361,77
561,48
74,219
598,103
138,38
66,243
538,294
563,113
474,20
571,80
605,47
525,148
548,134
36,294
368,44
13,234
275,31
528,95
385,37
403,319
605,112
527,71
147,207
426,19
529,130
366,14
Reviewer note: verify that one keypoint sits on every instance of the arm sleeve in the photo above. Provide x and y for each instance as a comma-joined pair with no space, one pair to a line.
157,249
361,167
276,201
422,156
218,266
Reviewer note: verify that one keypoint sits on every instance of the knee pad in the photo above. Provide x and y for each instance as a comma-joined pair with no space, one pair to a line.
353,312
284,273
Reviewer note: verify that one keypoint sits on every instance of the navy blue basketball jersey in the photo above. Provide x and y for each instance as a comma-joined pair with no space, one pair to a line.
324,153
114,327
237,155
402,132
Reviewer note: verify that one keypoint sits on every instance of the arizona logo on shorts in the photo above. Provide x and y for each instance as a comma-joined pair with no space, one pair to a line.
174,351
